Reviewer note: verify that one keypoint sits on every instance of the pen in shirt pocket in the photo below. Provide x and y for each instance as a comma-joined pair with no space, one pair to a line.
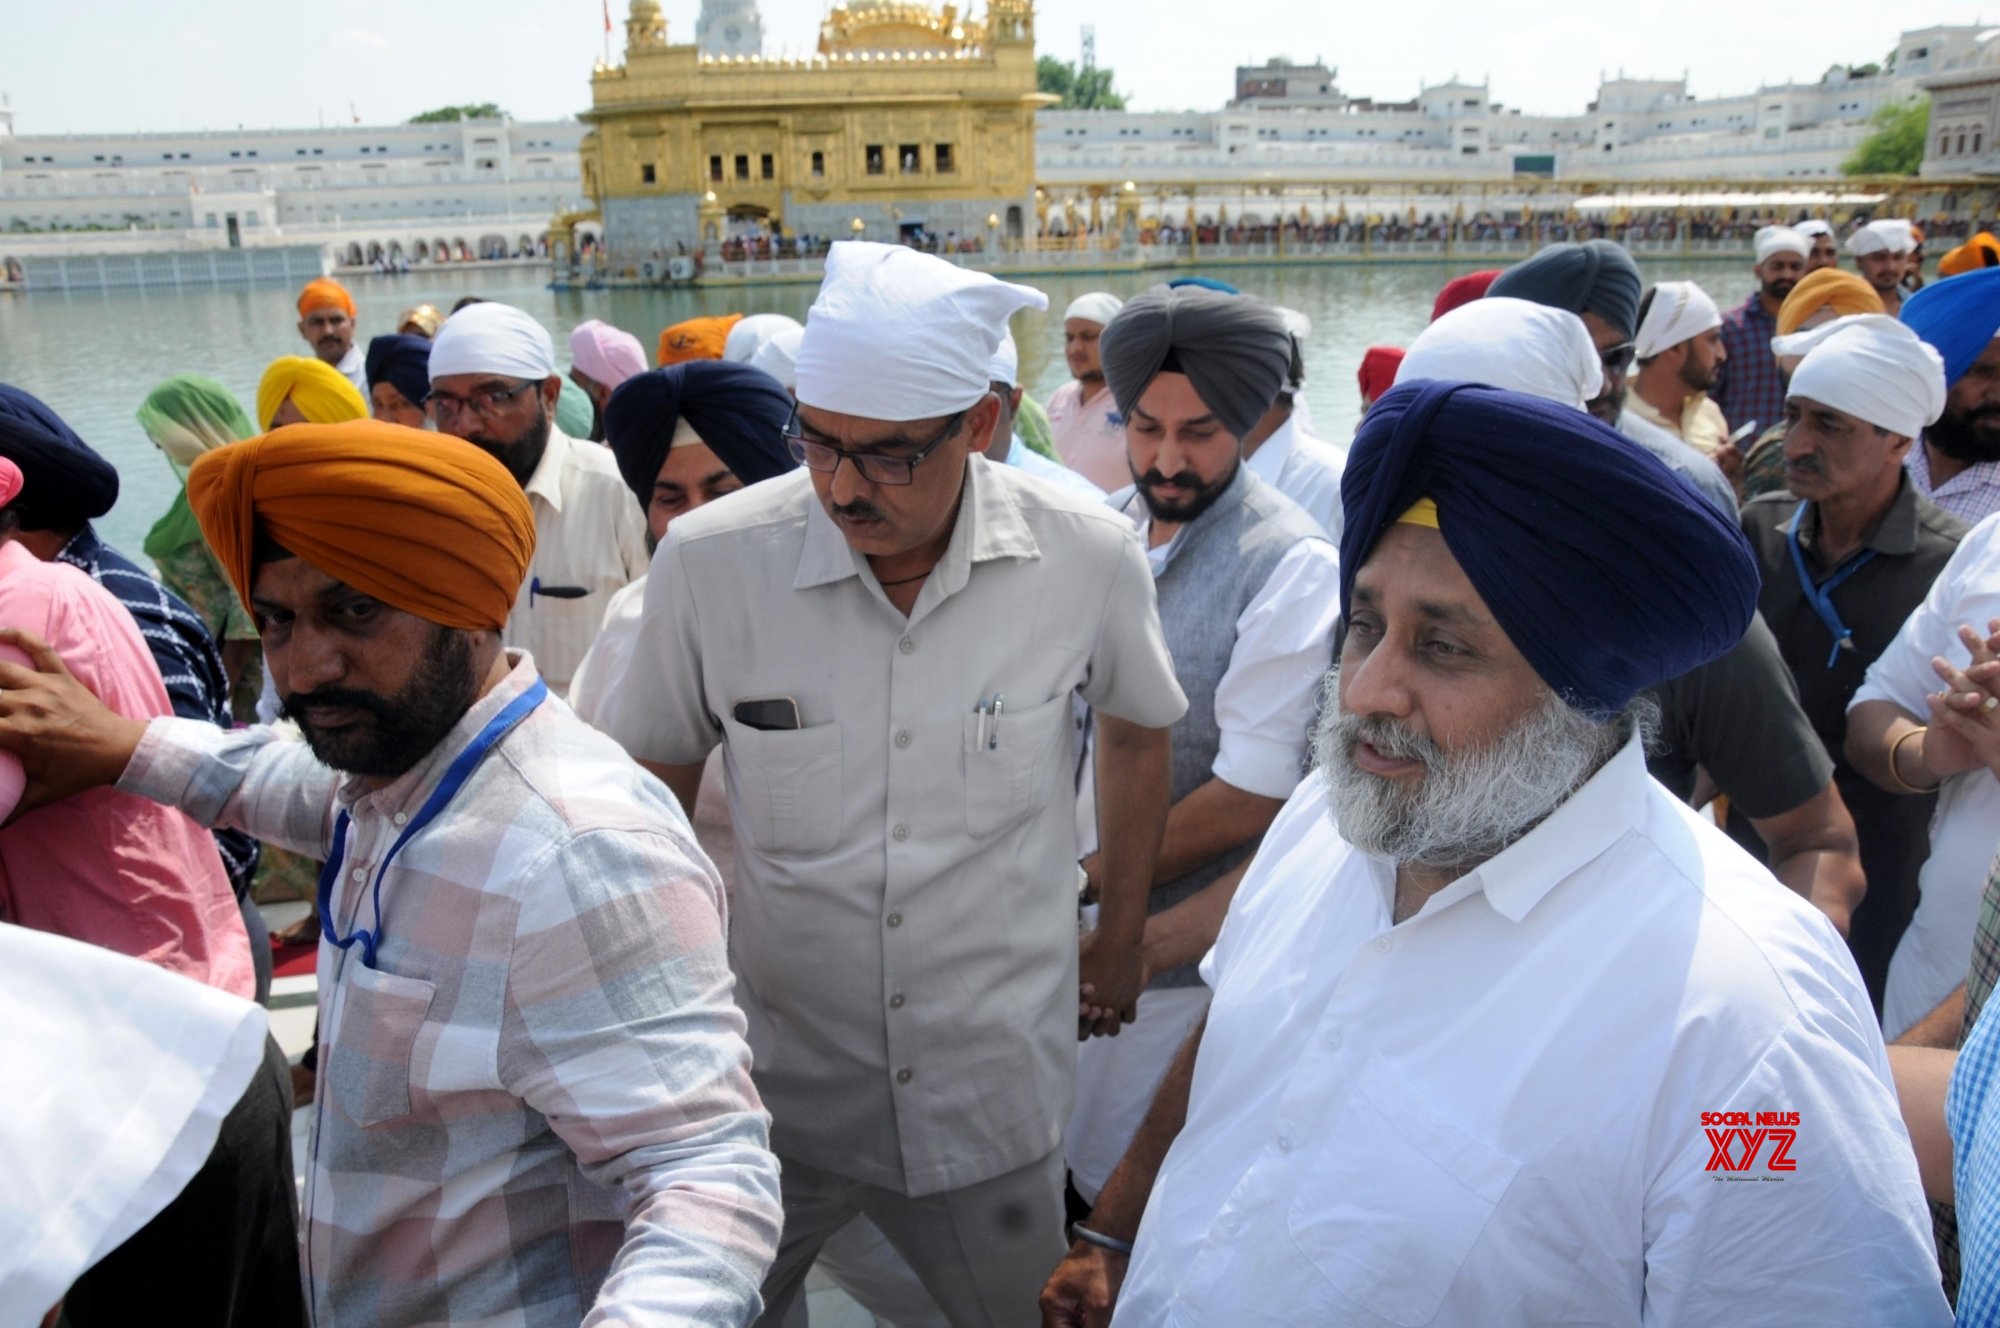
535,587
986,737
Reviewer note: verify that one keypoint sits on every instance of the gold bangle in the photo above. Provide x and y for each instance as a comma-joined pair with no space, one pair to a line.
1896,774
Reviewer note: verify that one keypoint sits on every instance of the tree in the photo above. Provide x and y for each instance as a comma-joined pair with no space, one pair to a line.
484,110
1896,147
1080,90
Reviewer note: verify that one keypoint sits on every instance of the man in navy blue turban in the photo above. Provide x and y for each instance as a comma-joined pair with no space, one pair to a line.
399,379
1479,915
683,435
1958,465
64,483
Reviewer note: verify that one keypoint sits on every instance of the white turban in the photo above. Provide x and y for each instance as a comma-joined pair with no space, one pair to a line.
1513,344
1814,227
1097,307
1680,311
489,338
1871,367
1890,235
1781,240
1006,363
122,1075
899,335
752,332
779,356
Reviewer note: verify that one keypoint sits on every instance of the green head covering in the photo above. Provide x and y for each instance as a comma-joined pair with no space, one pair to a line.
185,417
576,414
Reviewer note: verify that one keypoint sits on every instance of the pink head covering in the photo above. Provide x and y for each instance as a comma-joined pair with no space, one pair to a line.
10,481
606,354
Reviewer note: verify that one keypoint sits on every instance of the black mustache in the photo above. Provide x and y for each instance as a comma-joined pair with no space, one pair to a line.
1186,479
858,511
336,698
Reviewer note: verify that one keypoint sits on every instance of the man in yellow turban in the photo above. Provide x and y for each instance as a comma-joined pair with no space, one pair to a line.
500,880
696,339
297,390
326,321
1821,296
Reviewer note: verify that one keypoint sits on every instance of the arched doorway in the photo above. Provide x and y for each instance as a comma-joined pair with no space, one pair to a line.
352,258
1014,222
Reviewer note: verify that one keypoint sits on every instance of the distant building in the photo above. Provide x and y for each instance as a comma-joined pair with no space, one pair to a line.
1278,82
1964,133
908,119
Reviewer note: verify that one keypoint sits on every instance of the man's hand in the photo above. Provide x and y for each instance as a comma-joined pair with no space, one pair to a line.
1112,976
1084,1287
67,739
1965,718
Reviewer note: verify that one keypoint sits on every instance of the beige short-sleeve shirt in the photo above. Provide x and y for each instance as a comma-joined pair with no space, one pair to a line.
905,916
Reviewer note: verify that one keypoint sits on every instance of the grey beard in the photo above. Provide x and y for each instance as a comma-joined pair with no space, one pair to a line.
1472,804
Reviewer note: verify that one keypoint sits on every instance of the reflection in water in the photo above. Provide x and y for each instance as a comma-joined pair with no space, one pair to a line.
93,357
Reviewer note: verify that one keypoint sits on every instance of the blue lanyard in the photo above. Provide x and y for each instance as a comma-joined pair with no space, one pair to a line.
1821,596
454,778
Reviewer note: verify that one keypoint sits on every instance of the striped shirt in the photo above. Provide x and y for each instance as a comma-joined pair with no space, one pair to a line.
1975,1128
536,1108
1748,387
1972,495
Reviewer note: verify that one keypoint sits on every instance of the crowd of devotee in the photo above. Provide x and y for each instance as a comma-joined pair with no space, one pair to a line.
779,800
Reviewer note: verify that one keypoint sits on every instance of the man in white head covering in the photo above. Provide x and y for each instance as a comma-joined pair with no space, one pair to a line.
1679,352
494,383
1882,252
886,645
778,355
1749,391
1283,451
1008,447
1825,250
753,331
1084,422
1846,555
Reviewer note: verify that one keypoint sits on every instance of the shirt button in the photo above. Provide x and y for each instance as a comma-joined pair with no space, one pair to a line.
1333,1040
896,1001
359,874
903,1076
1286,1143
902,737
401,818
1383,945
906,645
900,833
895,919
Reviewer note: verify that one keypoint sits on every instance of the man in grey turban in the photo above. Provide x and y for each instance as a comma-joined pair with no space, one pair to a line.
1247,585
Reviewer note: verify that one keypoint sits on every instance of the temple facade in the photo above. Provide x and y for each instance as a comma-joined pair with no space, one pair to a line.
906,119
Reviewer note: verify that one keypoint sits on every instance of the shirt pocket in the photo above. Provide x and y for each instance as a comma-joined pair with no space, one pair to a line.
368,1068
1396,1199
788,783
1009,774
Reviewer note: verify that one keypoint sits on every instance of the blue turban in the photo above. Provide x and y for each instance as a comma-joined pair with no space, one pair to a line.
1204,283
1959,316
404,363
1607,571
63,482
740,412
1595,277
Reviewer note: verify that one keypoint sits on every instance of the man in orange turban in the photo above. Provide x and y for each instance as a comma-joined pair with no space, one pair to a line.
1982,250
696,339
326,321
499,878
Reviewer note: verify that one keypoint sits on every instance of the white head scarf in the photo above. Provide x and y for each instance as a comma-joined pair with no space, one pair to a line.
124,1073
1514,344
1891,235
1871,367
1006,364
752,332
1097,307
1680,310
490,338
1781,240
899,335
779,356
1814,227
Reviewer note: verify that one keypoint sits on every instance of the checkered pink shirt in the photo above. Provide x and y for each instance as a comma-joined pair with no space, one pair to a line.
536,1109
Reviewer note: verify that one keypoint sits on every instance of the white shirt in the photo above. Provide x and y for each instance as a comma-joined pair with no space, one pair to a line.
1492,1113
904,929
590,535
353,367
1936,951
1305,469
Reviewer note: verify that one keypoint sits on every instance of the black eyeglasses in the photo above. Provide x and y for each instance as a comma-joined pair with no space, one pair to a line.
487,402
1618,358
875,467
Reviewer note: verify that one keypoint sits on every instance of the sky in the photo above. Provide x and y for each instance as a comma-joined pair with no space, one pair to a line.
120,65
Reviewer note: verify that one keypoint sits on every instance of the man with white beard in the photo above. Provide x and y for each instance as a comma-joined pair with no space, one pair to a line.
1501,1033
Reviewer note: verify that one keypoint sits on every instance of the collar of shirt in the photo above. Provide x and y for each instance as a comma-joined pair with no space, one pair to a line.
1268,461
404,794
82,550
1918,463
546,482
1752,310
1590,821
1895,535
989,526
1128,501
